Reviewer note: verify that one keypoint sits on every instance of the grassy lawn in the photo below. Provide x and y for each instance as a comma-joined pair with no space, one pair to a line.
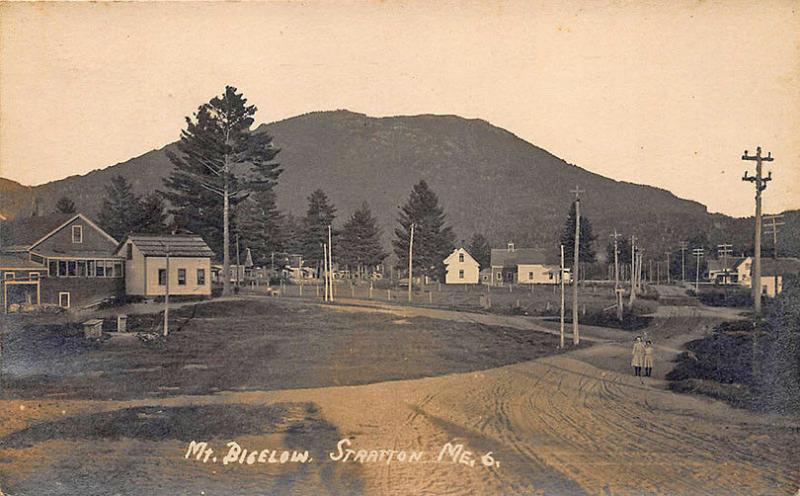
251,345
518,299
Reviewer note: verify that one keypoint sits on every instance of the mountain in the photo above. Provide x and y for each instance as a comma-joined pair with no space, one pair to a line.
487,179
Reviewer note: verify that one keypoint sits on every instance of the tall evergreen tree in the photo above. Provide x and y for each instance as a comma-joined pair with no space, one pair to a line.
481,250
319,216
119,210
260,224
151,215
292,228
586,248
219,162
65,206
433,241
359,246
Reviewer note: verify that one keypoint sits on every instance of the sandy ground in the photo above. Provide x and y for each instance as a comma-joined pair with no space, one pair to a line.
576,423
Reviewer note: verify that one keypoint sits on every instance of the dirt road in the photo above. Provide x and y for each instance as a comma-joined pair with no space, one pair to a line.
576,423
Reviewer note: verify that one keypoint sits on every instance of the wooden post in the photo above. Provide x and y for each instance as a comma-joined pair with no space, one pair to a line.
760,184
330,262
561,345
576,336
166,293
410,259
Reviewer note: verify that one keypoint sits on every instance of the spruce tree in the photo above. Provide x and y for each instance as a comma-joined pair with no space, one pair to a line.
65,206
359,246
433,240
586,249
319,216
260,225
151,216
119,210
219,162
481,250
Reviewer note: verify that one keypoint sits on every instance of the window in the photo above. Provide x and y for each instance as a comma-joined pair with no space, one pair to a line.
62,268
81,268
63,299
99,268
90,268
461,274
77,234
129,253
72,268
530,276
118,269
181,277
8,276
461,257
201,277
550,276
37,258
109,268
33,276
499,276
162,277
52,268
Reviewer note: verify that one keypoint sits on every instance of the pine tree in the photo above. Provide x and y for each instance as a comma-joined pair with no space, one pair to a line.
208,181
433,241
65,205
319,216
586,250
151,216
359,247
119,211
481,250
260,225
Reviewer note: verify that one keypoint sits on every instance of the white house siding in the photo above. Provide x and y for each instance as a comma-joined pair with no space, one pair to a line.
470,268
134,270
189,264
536,274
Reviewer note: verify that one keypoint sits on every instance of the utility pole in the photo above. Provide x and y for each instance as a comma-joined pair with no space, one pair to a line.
410,260
562,297
669,259
237,261
325,269
576,336
616,260
697,252
684,246
760,184
773,223
330,260
723,251
166,292
633,269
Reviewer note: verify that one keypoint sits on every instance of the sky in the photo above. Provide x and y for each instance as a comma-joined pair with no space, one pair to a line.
668,94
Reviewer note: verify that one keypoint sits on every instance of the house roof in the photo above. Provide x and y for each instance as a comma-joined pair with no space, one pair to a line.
17,261
781,266
503,257
457,251
23,232
716,265
180,245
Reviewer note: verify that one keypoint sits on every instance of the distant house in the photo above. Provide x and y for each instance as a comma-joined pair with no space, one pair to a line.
461,268
773,272
523,266
146,264
57,259
730,271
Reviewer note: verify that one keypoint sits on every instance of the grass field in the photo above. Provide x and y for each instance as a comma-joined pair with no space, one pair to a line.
518,299
252,345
